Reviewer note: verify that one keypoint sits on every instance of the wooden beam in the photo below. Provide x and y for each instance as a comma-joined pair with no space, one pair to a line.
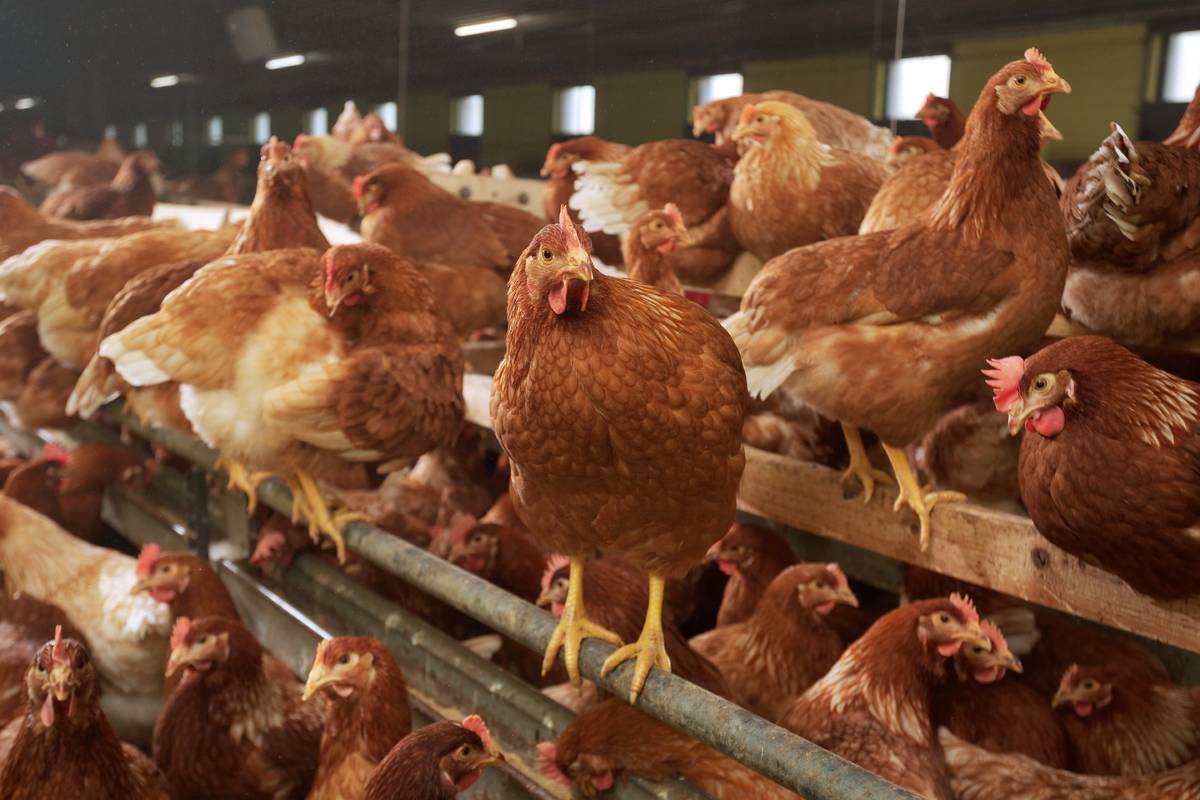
990,548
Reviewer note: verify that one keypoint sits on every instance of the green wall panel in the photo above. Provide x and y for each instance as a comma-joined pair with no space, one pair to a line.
843,79
516,125
637,107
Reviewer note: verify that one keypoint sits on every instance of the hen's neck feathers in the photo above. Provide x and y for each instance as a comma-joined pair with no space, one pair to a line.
1146,728
129,177
649,266
370,722
280,217
205,595
794,157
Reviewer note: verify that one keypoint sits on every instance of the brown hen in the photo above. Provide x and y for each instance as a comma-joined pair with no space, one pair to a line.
559,171
130,193
435,763
24,225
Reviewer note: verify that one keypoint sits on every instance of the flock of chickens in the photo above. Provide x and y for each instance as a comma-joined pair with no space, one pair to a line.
894,273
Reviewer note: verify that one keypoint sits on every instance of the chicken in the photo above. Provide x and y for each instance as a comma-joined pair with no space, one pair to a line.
337,360
27,277
66,746
20,352
787,643
1133,220
130,193
1062,643
977,774
611,195
1120,723
648,248
1087,403
559,171
904,148
477,294
613,590
751,556
226,185
70,314
231,729
789,189
404,210
42,402
944,119
499,549
873,707
436,762
348,123
969,450
127,634
25,625
24,225
366,712
606,386
803,434
281,215
836,323
185,582
348,160
835,126
600,746
76,167
332,196
1004,716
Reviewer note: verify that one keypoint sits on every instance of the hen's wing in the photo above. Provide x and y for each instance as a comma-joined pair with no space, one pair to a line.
512,226
446,231
181,343
383,402
91,202
20,352
908,195
27,277
147,774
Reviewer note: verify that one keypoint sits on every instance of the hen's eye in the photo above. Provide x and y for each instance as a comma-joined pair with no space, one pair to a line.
202,640
944,618
465,751
978,649
546,254
1040,384
1019,80
657,225
819,584
1089,685
344,660
41,667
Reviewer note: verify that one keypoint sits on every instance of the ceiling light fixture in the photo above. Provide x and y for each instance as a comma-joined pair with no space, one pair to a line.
163,81
283,62
487,26
24,103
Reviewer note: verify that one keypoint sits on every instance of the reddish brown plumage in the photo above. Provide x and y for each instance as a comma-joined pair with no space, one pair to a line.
944,119
434,763
366,713
648,248
751,556
969,450
65,746
281,215
1110,407
873,707
24,225
560,185
232,728
129,194
499,548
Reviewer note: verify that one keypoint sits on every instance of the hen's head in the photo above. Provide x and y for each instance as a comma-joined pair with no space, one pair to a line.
816,587
745,547
373,189
659,231
349,270
472,545
272,550
987,664
559,159
936,111
773,120
945,625
1023,89
462,751
555,580
347,667
210,644
710,117
558,266
279,170
61,680
164,576
143,161
1084,690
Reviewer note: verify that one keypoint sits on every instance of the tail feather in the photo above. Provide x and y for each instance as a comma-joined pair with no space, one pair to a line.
1111,189
95,387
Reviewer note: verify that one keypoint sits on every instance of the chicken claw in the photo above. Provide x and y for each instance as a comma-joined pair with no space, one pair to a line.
322,517
913,495
860,466
243,480
573,627
650,649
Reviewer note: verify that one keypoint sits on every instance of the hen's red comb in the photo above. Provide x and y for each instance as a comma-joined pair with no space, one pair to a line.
59,651
994,635
180,633
53,451
1068,678
553,564
568,228
268,542
929,98
966,606
300,140
146,559
547,763
460,526
477,726
1005,379
896,146
553,153
838,576
1035,57
359,182
673,213
330,272
748,111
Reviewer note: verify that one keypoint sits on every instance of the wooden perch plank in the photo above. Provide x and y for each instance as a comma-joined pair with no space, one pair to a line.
989,548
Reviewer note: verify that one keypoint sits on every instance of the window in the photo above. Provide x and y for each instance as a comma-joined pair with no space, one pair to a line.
388,113
175,133
110,131
216,131
1182,71
141,136
316,122
911,79
261,127
466,115
576,110
718,87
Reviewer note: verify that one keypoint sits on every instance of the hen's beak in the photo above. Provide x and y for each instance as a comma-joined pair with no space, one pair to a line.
847,597
145,585
182,657
318,679
1063,697
490,760
1048,132
1018,414
1012,663
59,682
546,170
714,552
333,300
972,634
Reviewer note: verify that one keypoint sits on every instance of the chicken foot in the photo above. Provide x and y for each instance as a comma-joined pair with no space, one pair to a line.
243,480
650,649
860,466
915,496
573,627
322,517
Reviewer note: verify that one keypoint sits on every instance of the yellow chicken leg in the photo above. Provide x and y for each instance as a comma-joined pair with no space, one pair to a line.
650,649
243,480
574,626
322,517
913,495
860,466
